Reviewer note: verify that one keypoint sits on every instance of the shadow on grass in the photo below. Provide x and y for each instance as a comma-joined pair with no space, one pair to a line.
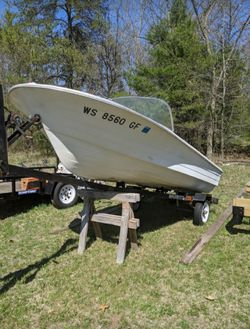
230,227
22,205
75,226
29,273
153,213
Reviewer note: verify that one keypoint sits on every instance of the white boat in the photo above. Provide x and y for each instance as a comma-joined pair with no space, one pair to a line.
109,140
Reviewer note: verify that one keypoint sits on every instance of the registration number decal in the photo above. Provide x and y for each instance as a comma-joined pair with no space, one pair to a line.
115,119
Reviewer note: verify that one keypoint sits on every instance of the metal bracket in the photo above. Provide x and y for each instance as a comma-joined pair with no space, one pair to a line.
20,130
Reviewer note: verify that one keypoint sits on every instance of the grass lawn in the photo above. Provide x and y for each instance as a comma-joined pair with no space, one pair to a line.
46,284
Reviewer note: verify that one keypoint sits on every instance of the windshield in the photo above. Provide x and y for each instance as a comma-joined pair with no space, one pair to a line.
153,108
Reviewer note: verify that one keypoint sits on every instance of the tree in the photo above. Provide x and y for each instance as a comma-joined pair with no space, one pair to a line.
69,31
222,25
50,42
174,70
108,64
21,52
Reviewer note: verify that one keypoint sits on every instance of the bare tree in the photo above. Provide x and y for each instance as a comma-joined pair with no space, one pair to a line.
222,24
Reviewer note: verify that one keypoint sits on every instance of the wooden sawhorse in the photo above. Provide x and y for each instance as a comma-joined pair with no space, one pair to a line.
127,222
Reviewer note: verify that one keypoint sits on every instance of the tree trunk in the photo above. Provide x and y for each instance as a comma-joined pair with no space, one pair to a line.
222,137
210,130
210,134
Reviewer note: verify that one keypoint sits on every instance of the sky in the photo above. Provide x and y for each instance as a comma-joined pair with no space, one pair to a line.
2,8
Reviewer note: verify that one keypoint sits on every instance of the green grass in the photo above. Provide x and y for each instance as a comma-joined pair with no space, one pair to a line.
46,284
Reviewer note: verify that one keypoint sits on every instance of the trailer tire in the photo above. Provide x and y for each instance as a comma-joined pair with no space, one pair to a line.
201,213
64,196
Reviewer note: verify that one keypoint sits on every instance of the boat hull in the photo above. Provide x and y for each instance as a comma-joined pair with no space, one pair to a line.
99,139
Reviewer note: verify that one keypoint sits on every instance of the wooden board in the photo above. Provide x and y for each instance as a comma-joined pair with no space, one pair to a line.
114,196
190,256
115,220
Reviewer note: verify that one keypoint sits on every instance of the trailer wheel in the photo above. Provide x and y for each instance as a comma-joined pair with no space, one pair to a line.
64,196
201,213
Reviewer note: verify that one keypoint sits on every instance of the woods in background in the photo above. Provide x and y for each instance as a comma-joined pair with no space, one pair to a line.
194,54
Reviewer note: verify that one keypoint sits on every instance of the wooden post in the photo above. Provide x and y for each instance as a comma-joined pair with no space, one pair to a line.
84,224
132,233
96,226
133,239
121,249
97,230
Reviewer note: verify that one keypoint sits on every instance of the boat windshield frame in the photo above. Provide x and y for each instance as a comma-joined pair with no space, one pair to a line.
142,98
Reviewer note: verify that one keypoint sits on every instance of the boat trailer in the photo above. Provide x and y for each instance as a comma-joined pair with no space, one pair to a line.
129,196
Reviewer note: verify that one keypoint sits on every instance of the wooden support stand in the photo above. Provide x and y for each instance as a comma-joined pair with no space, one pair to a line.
241,206
127,222
243,203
